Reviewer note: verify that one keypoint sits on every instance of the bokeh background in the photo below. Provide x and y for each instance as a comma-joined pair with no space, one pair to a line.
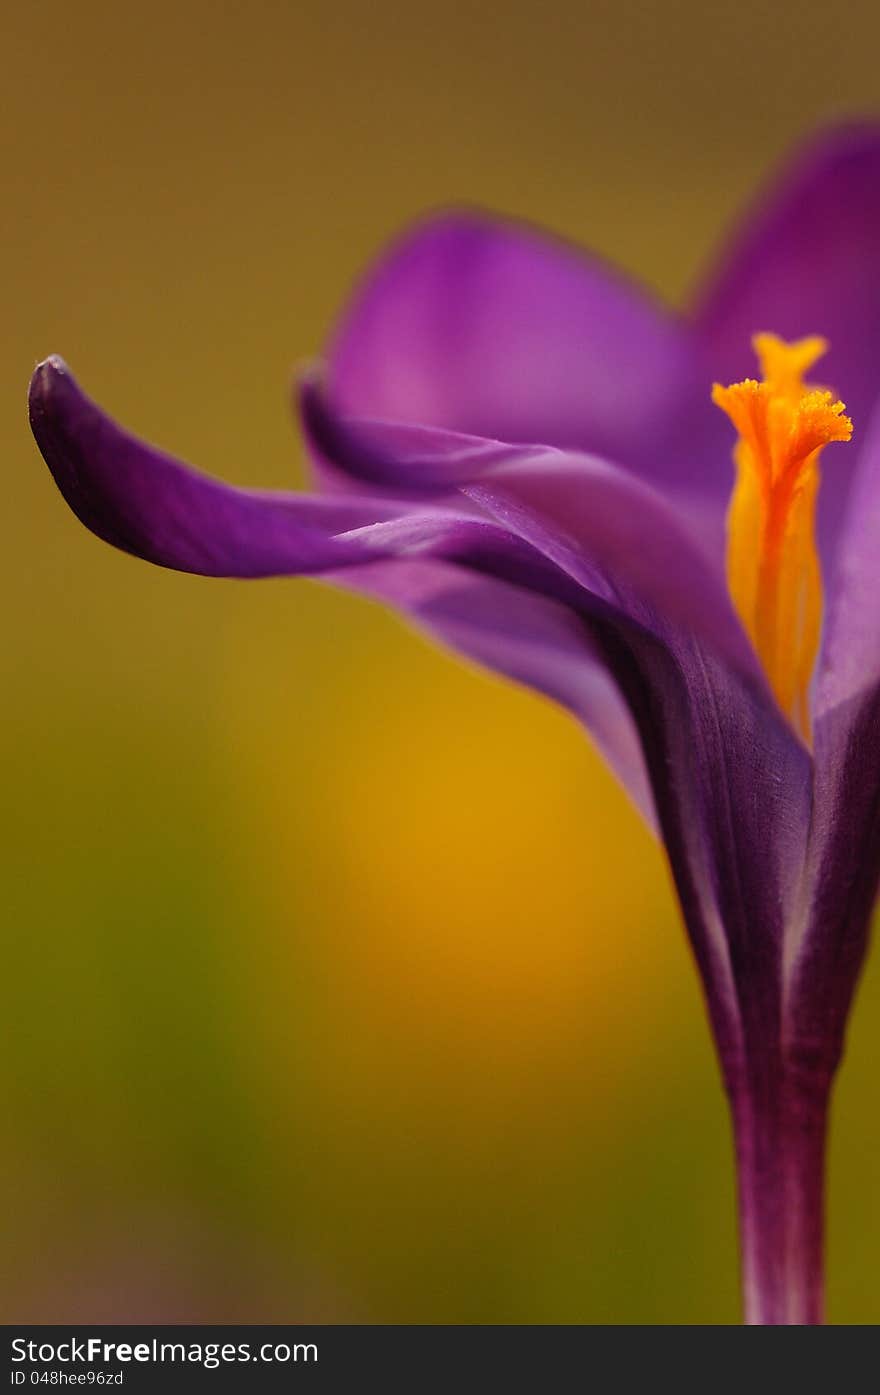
340,982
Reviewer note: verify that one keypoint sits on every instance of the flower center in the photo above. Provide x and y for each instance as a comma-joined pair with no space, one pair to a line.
773,568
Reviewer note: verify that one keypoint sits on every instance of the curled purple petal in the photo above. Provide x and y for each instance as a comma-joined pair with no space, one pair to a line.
394,456
149,504
445,570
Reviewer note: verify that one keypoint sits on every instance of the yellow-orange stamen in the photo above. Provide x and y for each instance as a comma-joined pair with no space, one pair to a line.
772,564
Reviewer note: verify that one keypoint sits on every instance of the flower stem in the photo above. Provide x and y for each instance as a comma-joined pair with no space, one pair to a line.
780,1127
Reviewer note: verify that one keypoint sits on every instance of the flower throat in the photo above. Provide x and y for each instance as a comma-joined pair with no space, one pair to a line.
773,571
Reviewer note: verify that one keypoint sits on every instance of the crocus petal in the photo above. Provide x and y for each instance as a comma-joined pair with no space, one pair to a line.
492,329
806,262
393,456
147,503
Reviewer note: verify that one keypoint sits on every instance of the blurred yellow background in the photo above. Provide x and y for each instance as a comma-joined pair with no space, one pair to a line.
341,983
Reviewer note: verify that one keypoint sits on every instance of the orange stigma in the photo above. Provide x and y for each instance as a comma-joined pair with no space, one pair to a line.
773,568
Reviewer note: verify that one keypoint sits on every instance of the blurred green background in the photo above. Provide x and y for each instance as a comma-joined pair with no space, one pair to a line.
340,981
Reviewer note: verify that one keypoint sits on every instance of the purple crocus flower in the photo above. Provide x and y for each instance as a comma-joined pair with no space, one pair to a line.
518,449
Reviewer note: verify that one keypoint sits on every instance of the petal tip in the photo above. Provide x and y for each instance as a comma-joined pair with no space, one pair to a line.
48,372
49,367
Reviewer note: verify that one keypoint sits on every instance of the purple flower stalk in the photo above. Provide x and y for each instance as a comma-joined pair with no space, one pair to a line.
519,450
